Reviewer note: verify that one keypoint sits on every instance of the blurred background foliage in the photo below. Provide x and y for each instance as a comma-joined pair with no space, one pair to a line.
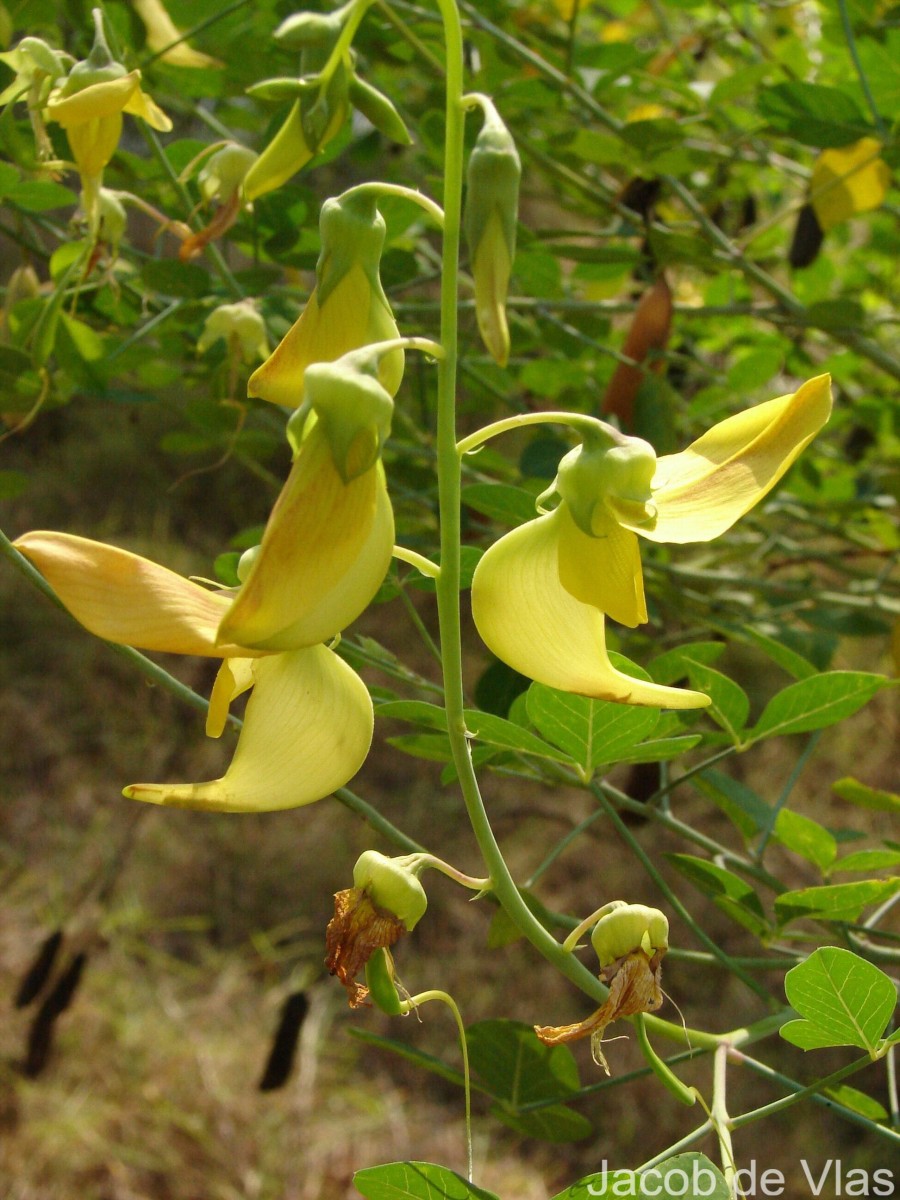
676,263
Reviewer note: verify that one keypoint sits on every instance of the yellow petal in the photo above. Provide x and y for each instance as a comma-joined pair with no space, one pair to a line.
847,181
233,678
127,599
163,35
702,491
141,105
97,100
605,570
528,619
287,152
352,317
94,142
307,731
325,551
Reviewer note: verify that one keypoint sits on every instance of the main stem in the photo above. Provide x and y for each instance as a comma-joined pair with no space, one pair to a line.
448,583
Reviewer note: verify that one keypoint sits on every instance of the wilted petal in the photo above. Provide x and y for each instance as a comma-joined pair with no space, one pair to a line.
353,316
603,570
325,551
128,599
307,730
530,621
702,491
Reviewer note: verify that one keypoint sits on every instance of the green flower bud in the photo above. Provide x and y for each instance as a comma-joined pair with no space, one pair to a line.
42,57
224,172
491,212
304,29
245,563
239,325
353,232
391,885
352,407
379,110
113,220
600,481
98,67
627,928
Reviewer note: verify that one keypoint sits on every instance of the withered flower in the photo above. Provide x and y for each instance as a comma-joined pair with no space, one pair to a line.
386,901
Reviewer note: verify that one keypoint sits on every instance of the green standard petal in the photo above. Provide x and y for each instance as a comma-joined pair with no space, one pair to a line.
530,621
127,599
603,570
324,554
307,731
702,491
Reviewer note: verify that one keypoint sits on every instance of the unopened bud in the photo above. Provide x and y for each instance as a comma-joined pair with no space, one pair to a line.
353,408
240,325
379,110
391,884
491,212
628,928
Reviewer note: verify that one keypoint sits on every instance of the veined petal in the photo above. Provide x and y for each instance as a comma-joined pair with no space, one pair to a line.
702,491
127,599
529,620
96,100
353,316
307,730
325,551
604,570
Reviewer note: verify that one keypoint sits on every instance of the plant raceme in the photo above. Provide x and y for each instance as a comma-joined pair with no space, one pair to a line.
324,553
540,595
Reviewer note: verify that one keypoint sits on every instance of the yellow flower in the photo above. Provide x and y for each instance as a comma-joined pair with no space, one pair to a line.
308,723
541,593
164,39
346,311
848,180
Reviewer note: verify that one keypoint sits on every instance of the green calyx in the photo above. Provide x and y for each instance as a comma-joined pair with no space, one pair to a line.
352,406
353,232
605,478
492,179
391,884
626,928
98,67
305,29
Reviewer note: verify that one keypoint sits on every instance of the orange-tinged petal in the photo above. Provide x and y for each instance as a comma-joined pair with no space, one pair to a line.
530,621
603,570
325,551
307,730
127,599
353,316
702,491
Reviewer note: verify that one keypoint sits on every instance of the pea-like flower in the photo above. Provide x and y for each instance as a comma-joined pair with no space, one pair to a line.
540,594
324,553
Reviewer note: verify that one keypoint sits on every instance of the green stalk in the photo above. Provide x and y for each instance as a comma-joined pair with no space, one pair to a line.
448,583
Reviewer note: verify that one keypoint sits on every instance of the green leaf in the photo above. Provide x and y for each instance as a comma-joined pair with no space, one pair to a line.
497,731
40,195
748,811
813,114
660,749
590,731
688,1176
515,1067
428,1062
730,705
843,1000
728,891
866,797
668,668
867,860
500,502
835,901
851,1097
173,278
806,837
416,1181
816,703
420,712
554,1123
434,747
